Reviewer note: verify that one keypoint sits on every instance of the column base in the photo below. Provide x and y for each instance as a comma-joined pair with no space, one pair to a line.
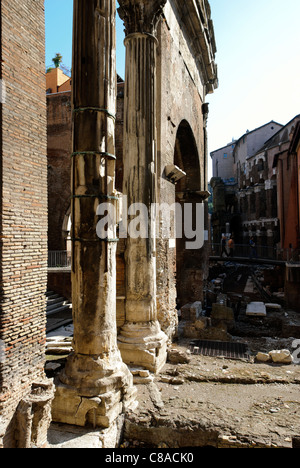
143,345
33,416
69,436
93,395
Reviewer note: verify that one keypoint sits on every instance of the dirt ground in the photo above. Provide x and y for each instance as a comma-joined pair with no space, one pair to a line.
217,402
224,403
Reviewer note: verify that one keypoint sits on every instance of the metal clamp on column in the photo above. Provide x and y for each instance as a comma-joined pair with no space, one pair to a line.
78,239
101,195
92,153
94,109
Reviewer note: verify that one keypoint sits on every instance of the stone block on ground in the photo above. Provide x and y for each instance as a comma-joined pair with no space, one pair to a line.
282,356
221,312
191,311
214,334
202,323
177,356
256,309
273,306
195,310
263,357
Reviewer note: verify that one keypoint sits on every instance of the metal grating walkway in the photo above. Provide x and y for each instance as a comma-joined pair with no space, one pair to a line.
226,349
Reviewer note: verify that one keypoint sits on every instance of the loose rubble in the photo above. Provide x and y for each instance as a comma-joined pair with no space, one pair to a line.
206,401
59,342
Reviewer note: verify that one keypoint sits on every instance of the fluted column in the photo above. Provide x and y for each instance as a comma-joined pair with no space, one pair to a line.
141,341
96,386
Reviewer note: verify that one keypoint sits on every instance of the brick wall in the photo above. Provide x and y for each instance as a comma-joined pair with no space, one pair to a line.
23,253
59,148
180,130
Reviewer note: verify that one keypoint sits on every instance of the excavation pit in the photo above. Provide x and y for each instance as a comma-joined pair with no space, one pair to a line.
226,349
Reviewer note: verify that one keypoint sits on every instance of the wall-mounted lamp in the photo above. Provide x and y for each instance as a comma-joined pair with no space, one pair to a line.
174,173
204,194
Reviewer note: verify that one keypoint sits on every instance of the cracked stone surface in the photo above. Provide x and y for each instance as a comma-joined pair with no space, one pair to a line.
220,403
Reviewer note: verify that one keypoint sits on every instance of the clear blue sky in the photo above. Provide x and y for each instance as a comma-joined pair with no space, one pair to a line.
258,46
59,25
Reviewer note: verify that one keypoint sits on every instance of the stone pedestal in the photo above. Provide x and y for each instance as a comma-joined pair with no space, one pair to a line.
144,344
114,396
33,416
69,436
141,341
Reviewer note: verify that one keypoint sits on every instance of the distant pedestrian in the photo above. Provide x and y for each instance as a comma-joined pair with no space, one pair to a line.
223,246
253,252
231,246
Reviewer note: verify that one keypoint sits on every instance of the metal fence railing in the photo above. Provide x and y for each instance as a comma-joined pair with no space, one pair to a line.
259,251
59,259
62,259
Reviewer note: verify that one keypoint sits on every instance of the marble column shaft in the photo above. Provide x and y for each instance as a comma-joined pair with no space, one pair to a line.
96,384
141,340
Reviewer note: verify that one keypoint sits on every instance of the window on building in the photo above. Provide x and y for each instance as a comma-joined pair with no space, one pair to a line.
225,155
261,165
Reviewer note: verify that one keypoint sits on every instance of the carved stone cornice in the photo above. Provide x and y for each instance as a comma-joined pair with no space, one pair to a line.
141,16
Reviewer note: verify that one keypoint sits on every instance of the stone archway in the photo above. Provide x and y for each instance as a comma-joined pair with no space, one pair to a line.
186,157
189,272
66,230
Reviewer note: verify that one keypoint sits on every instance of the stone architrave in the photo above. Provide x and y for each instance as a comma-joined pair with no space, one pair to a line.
141,340
96,387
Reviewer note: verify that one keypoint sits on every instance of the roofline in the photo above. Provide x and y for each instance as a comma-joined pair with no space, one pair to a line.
295,139
264,146
223,147
258,128
235,142
58,92
296,116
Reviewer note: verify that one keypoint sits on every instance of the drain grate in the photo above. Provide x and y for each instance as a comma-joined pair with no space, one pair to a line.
226,349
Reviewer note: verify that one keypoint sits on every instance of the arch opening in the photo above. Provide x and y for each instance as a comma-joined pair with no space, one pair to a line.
189,272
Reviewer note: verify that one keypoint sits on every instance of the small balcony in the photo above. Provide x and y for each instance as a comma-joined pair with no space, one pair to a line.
59,259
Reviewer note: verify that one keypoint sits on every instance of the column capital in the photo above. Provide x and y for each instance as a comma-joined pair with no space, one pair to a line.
141,16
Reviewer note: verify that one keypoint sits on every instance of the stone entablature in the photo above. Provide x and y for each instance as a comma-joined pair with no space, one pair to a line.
191,28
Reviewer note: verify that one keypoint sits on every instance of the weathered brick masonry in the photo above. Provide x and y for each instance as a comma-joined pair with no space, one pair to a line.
23,418
59,133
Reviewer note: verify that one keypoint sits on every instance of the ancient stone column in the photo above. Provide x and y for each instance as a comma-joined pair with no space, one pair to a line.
96,386
141,340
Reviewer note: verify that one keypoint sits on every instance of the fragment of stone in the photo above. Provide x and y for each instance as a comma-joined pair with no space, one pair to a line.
191,311
176,356
141,376
282,356
256,309
172,380
185,312
263,357
52,366
273,306
221,312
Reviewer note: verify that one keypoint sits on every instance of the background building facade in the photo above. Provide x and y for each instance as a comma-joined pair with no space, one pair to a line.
261,199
